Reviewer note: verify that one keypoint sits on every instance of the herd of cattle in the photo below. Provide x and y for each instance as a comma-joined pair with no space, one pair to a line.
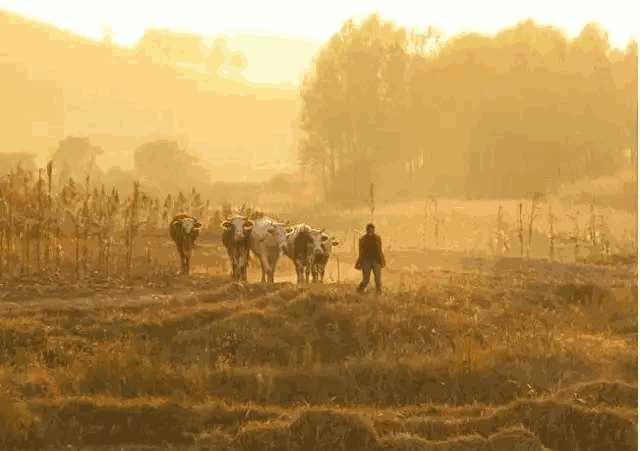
307,247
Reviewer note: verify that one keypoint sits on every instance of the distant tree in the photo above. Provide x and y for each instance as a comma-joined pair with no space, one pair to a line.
172,47
218,55
238,61
522,111
279,183
76,157
222,59
625,76
165,165
352,102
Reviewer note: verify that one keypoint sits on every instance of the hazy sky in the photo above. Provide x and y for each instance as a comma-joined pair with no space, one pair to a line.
317,20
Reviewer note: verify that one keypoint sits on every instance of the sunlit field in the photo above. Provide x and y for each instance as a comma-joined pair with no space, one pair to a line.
479,353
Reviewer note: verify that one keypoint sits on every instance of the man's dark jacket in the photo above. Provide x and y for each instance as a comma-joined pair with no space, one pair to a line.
370,250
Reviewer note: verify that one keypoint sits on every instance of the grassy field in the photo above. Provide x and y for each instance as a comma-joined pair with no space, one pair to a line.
460,353
472,226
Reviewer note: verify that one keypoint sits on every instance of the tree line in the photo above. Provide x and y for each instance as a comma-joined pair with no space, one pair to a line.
57,84
525,110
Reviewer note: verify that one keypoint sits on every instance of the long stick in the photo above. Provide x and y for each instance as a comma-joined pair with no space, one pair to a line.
521,230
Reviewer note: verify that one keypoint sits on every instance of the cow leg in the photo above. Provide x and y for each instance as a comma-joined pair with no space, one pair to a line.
187,264
234,265
272,270
299,273
272,264
230,255
181,254
264,264
236,269
245,264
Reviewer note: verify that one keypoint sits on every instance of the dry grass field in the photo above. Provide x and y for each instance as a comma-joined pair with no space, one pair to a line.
460,353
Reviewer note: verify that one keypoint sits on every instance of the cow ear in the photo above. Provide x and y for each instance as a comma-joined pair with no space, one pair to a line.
225,224
248,224
335,243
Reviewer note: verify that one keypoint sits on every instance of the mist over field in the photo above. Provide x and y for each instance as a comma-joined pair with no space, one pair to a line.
500,170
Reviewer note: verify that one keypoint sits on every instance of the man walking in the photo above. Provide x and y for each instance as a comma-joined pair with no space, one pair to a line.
370,258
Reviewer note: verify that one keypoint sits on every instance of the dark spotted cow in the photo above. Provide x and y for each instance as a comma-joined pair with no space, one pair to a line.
235,237
303,245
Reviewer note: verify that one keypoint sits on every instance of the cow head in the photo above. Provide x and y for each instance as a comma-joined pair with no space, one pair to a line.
327,243
316,242
239,226
191,226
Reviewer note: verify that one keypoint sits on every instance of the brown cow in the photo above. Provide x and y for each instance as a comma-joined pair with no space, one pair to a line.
184,230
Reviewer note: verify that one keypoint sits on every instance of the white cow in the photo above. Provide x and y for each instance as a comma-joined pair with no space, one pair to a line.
303,244
320,261
268,238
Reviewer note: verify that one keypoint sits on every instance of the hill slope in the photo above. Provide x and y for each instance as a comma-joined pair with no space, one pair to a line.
61,84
